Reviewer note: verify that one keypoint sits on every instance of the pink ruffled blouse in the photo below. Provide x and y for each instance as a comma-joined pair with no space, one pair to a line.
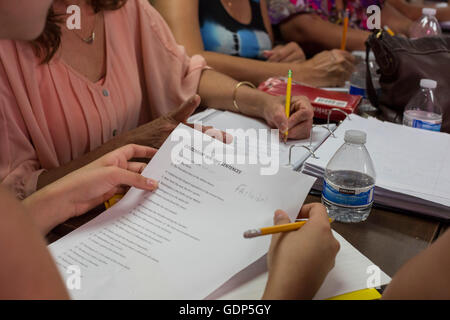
50,114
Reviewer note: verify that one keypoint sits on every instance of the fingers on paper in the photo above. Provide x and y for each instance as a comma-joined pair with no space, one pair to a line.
136,151
119,177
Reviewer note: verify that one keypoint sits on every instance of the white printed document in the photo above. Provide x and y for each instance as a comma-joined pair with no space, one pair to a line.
184,240
238,124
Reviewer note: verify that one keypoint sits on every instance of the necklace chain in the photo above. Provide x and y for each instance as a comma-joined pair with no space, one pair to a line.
90,39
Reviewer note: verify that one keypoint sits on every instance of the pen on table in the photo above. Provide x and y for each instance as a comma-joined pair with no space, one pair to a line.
388,30
276,229
344,31
288,101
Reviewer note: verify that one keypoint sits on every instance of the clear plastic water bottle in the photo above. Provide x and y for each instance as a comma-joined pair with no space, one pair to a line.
422,111
358,79
349,180
426,26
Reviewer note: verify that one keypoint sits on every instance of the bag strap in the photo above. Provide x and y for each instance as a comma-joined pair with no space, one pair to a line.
370,89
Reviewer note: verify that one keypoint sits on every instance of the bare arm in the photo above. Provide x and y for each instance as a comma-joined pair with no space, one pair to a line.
395,19
309,28
217,89
414,11
244,69
426,276
27,270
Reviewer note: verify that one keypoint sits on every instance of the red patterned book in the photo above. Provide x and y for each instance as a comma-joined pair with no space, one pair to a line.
321,100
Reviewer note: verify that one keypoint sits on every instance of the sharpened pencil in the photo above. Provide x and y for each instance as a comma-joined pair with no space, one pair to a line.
276,229
288,101
344,32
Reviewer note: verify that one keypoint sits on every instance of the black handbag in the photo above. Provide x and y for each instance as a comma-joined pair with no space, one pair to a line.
402,64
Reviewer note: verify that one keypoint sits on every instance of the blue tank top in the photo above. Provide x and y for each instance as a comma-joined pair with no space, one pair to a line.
221,33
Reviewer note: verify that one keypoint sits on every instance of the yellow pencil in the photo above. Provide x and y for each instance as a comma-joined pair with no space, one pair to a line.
388,30
288,101
113,200
276,229
344,31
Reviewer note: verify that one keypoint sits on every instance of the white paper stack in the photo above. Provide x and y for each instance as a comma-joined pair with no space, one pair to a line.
412,165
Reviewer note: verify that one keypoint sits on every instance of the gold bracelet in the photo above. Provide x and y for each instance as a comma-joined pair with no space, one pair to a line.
235,92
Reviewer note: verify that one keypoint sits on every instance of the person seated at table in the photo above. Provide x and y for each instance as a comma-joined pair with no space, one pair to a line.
236,38
317,26
27,270
73,95
32,274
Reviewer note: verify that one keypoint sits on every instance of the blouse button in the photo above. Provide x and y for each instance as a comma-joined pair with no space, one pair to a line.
105,93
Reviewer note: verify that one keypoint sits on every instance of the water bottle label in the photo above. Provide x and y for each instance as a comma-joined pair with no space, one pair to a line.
426,125
351,198
357,91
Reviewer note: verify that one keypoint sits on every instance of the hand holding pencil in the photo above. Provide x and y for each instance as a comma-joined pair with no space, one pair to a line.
295,121
298,125
292,226
288,102
300,258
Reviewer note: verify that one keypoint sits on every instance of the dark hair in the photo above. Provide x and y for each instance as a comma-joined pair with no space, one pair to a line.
49,41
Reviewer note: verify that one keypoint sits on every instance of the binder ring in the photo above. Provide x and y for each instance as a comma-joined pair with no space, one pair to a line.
347,116
302,146
311,152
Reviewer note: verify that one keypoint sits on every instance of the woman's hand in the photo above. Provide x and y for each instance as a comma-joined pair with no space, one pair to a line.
290,52
89,186
299,123
298,261
156,132
330,68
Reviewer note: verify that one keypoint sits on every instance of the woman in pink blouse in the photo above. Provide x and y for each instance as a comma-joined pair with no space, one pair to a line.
74,95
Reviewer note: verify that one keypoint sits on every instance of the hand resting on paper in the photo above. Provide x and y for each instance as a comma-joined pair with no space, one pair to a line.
89,186
156,132
298,261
